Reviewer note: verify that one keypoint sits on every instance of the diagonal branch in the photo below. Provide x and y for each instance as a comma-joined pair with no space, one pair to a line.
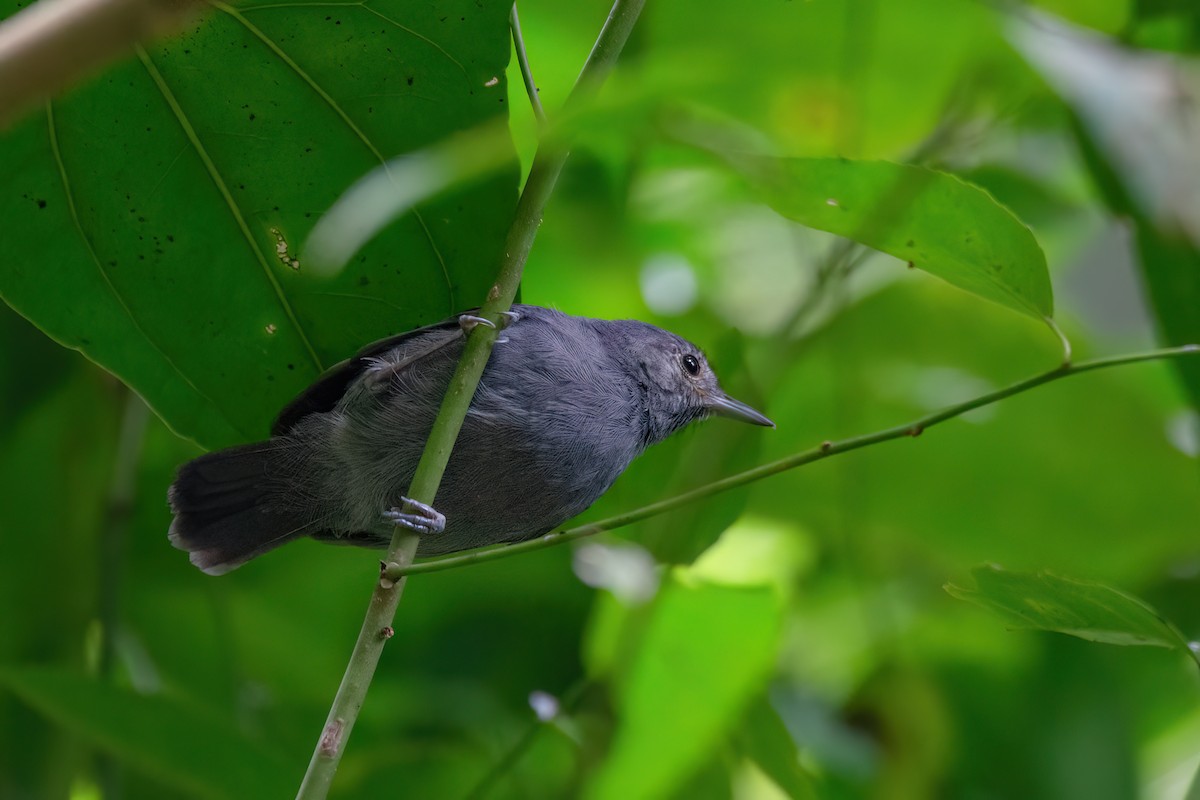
823,450
377,624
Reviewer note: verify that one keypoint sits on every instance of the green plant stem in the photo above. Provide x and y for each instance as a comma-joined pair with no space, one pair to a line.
113,538
514,22
121,494
821,451
376,628
1062,338
511,757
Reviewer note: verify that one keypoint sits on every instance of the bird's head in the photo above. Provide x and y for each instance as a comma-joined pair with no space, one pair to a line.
678,385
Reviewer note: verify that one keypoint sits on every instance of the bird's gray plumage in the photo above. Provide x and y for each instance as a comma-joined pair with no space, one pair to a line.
564,405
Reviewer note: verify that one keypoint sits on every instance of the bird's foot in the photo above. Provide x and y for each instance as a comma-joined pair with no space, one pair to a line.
506,318
468,323
420,519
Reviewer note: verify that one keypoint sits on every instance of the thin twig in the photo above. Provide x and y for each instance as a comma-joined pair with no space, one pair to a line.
531,89
377,624
842,257
508,761
823,450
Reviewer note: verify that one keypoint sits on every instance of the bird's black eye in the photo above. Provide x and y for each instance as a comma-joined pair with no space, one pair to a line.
691,365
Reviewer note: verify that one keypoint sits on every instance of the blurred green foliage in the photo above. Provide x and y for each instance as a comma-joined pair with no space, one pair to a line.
791,639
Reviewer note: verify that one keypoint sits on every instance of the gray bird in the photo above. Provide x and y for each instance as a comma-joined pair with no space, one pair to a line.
564,405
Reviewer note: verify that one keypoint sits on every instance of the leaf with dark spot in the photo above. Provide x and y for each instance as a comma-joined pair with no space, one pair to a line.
180,137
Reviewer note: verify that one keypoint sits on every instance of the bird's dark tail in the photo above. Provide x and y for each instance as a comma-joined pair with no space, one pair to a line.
225,511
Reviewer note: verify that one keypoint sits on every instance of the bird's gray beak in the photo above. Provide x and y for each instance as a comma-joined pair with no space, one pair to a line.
726,406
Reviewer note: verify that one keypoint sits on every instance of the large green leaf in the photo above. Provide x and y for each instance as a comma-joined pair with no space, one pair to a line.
1084,609
179,745
154,217
706,650
394,188
934,221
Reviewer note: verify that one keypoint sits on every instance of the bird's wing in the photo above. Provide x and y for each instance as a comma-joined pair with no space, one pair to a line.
328,389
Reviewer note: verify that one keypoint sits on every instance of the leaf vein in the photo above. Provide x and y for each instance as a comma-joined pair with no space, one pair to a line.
239,218
56,153
337,109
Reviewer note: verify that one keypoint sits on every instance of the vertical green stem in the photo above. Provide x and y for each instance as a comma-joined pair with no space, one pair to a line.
111,559
377,625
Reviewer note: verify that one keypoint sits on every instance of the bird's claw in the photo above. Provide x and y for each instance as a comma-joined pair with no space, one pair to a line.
506,318
420,519
468,322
